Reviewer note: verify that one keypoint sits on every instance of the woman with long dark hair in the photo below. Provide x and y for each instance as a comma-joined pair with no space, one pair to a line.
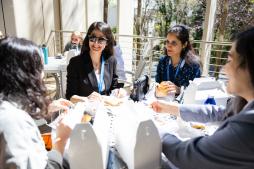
93,72
180,64
231,146
23,99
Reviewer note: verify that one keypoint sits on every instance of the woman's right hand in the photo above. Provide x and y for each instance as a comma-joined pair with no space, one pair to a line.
166,87
163,107
95,97
63,132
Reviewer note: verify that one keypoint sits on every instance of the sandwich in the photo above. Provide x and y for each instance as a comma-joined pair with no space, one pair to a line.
162,89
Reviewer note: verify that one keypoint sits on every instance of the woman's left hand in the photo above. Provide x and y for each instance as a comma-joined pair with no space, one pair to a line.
173,88
119,93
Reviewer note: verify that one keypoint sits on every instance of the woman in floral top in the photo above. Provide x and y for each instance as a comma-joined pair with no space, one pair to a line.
180,64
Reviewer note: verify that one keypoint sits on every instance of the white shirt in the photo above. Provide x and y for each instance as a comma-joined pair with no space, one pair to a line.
97,74
21,144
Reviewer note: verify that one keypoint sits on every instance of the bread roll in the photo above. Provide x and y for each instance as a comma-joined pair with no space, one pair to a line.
198,126
162,89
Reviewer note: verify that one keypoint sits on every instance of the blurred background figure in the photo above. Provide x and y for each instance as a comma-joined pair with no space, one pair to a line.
76,41
120,64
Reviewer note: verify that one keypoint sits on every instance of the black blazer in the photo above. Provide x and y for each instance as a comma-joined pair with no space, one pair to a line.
81,79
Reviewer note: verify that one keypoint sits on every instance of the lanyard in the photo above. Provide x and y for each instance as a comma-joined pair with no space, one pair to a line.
100,83
179,66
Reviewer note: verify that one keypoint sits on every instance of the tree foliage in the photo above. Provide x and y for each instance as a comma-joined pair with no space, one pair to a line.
144,15
240,16
188,12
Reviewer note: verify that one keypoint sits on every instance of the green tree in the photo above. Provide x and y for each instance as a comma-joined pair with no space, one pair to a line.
197,18
165,11
232,16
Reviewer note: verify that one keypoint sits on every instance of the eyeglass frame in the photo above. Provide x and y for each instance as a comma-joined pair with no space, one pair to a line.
172,43
99,40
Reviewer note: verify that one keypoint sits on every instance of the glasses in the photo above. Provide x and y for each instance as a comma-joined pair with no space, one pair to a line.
172,43
99,40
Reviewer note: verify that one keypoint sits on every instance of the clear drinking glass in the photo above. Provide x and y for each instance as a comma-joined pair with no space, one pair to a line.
170,97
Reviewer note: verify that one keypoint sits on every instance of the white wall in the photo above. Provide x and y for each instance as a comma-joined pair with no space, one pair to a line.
31,19
2,29
94,11
29,23
112,16
10,23
125,27
49,19
73,15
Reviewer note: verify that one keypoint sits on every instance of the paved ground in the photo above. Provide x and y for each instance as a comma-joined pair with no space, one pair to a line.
51,86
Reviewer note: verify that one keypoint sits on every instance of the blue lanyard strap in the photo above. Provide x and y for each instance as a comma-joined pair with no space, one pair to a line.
101,82
179,66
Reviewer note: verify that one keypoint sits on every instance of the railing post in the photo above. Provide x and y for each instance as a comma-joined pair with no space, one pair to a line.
150,57
125,13
208,34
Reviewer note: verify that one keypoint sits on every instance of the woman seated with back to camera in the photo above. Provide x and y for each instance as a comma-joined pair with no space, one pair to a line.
23,99
231,145
93,72
179,65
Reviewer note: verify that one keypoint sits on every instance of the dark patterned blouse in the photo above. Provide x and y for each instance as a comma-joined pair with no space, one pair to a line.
179,75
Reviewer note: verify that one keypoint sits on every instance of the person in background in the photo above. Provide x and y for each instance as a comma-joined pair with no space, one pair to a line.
1,35
76,41
120,64
93,72
23,99
180,64
231,146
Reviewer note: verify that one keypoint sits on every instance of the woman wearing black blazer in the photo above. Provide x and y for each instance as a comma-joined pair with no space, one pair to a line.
93,72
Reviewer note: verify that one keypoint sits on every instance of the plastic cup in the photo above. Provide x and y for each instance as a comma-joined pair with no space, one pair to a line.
170,97
47,140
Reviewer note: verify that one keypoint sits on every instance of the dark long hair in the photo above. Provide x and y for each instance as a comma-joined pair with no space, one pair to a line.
234,106
21,76
245,48
182,33
244,45
106,30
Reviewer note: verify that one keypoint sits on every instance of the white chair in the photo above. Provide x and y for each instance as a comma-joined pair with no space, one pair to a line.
71,53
